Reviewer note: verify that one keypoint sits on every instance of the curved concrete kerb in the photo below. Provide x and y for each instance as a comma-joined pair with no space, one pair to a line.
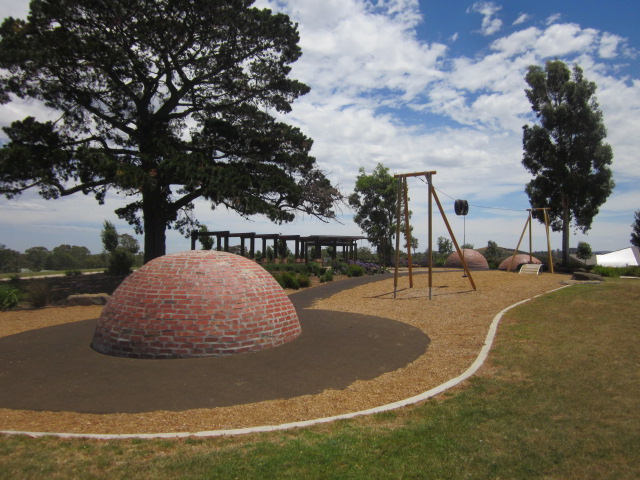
196,304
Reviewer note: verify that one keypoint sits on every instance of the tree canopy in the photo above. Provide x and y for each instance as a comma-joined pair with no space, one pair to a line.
566,153
164,102
584,252
635,233
374,199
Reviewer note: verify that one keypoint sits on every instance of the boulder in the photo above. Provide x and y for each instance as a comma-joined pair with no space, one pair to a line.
87,299
586,276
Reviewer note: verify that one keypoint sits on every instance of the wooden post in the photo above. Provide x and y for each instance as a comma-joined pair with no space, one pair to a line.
519,242
546,224
430,210
453,238
407,230
530,240
395,277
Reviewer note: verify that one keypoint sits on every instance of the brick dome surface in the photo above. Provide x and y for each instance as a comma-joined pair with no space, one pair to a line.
520,259
474,259
196,304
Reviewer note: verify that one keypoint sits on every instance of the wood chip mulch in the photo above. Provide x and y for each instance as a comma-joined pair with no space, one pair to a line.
456,320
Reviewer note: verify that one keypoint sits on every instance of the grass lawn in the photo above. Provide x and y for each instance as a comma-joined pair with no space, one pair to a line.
559,398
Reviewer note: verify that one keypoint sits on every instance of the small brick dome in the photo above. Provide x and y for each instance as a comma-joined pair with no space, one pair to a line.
520,259
196,304
474,260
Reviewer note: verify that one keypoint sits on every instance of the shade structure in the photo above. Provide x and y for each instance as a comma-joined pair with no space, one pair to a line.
627,257
196,304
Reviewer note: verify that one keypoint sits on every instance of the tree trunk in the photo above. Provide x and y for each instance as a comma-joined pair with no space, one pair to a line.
155,224
566,222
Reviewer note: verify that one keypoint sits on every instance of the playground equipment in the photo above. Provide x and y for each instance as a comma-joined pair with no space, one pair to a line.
528,224
403,199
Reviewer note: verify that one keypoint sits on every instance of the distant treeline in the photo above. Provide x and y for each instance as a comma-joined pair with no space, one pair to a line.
61,258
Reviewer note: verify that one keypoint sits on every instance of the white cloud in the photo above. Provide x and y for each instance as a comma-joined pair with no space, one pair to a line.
522,18
609,44
551,19
488,10
563,39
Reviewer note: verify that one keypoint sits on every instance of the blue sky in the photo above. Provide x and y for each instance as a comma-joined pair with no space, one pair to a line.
416,85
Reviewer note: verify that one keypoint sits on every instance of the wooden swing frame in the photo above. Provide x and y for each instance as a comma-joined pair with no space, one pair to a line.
403,198
528,224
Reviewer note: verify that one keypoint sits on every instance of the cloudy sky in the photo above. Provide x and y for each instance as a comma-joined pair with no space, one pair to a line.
417,85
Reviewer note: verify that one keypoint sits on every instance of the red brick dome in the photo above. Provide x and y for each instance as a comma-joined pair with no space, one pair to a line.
521,258
474,260
196,304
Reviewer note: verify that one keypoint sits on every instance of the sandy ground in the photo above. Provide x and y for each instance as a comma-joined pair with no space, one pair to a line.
456,320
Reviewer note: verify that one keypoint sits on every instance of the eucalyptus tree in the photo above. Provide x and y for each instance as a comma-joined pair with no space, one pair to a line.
375,200
566,152
163,102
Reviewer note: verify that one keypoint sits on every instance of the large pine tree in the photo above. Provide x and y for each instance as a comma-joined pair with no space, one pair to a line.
163,101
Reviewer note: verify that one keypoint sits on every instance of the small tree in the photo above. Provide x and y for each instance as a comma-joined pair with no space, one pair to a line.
205,241
121,257
109,236
635,234
445,247
37,257
583,251
129,243
566,153
375,199
493,251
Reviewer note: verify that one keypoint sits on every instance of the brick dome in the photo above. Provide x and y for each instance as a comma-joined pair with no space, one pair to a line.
196,304
474,260
521,258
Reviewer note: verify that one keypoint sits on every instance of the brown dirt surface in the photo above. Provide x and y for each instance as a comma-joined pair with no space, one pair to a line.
456,320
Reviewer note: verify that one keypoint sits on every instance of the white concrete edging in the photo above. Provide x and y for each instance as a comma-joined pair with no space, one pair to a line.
480,359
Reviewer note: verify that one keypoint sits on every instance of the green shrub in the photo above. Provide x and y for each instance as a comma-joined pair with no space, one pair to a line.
304,281
10,296
120,263
606,271
615,272
355,271
73,273
39,293
632,272
327,276
287,280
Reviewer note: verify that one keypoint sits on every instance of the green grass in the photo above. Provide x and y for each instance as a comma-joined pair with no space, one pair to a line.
558,399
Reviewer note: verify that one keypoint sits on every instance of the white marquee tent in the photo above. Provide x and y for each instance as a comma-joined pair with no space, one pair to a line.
620,258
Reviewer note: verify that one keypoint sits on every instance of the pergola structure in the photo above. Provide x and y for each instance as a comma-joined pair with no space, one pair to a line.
348,243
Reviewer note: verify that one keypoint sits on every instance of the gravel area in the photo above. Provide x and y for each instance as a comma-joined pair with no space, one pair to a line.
456,320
